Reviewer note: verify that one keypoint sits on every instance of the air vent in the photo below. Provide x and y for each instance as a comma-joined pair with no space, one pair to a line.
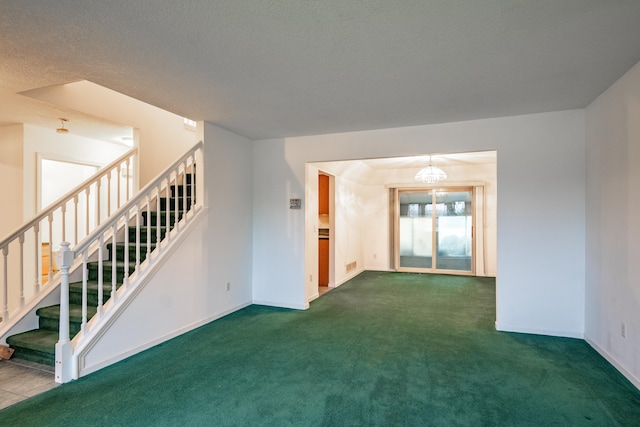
351,266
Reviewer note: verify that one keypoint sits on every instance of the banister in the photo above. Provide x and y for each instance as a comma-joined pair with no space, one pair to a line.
99,230
68,352
67,197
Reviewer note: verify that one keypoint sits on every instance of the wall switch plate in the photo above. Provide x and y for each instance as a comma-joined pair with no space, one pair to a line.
228,286
623,330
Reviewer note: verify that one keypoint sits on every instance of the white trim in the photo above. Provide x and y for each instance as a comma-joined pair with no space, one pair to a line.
292,305
347,278
628,375
160,340
553,333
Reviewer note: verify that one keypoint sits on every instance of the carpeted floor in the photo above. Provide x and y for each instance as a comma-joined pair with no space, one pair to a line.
385,349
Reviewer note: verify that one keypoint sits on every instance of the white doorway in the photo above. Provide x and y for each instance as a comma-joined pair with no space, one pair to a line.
56,178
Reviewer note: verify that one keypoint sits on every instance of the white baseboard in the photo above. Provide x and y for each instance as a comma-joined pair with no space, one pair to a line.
502,327
349,277
282,304
628,375
93,368
314,296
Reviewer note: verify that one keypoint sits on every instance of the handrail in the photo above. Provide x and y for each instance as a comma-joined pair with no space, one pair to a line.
175,185
76,214
69,196
84,244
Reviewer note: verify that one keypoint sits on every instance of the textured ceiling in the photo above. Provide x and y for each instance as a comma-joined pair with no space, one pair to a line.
267,68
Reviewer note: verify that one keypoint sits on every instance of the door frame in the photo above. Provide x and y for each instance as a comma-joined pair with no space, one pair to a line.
396,230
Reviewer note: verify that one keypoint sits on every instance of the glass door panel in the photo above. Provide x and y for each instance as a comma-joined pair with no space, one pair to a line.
416,230
454,230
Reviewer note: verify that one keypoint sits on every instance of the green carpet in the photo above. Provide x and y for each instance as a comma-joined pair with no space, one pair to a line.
385,349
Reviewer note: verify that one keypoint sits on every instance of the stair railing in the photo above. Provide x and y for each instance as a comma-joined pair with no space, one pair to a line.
187,204
70,218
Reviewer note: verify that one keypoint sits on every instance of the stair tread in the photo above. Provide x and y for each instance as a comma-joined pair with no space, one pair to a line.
131,244
42,340
75,312
92,285
108,262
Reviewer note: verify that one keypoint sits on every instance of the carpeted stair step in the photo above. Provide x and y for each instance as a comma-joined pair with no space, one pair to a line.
37,346
160,218
171,201
75,292
49,317
143,234
107,270
132,251
179,190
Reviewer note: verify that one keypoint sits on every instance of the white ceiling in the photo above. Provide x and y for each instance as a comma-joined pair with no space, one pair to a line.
267,68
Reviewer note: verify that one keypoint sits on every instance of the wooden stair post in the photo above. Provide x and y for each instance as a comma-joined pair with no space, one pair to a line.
64,372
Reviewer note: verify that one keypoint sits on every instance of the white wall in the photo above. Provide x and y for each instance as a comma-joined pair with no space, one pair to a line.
541,194
67,147
349,229
375,221
229,197
613,224
162,136
278,250
190,289
11,177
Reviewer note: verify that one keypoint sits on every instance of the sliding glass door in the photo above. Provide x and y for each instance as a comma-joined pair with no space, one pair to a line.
435,230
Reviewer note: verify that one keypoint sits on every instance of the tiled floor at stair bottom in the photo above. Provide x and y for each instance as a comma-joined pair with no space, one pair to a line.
20,380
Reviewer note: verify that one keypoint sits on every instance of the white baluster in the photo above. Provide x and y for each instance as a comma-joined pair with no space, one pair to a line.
75,219
63,208
183,184
50,275
193,181
98,197
21,241
137,236
100,276
5,301
37,258
109,194
128,181
86,193
118,197
167,208
149,226
85,278
114,266
125,281
178,199
159,210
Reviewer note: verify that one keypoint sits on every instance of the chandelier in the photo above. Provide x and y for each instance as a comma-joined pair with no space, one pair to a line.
431,174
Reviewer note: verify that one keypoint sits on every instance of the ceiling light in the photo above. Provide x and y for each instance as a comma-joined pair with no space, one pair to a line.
431,174
62,129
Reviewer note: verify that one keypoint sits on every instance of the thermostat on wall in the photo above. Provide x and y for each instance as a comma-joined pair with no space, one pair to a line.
295,203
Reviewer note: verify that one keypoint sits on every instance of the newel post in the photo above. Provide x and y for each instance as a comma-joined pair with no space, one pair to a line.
63,347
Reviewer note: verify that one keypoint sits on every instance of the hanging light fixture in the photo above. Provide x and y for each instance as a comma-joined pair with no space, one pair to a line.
62,129
431,174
